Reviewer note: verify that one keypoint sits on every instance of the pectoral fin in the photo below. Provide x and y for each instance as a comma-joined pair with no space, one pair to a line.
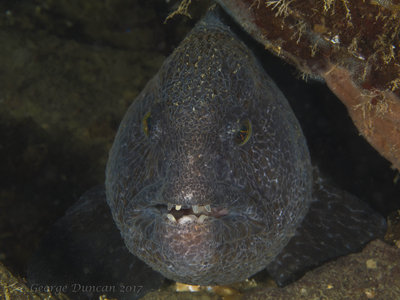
337,224
85,253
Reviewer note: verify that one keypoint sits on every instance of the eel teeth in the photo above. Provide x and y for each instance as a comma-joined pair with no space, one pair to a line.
187,219
201,219
197,209
171,218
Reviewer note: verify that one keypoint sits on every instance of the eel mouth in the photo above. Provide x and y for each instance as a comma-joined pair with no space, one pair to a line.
182,214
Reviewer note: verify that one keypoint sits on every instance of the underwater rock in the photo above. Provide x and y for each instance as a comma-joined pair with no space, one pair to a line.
372,274
13,288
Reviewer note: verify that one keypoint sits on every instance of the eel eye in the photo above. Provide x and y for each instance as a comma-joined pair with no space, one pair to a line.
244,132
146,123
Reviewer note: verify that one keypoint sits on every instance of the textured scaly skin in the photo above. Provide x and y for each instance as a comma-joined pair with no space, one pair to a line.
197,102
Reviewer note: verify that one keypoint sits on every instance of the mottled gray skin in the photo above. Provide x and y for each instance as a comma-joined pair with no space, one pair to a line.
259,192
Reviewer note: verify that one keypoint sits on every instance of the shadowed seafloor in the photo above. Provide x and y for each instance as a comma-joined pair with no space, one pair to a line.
68,72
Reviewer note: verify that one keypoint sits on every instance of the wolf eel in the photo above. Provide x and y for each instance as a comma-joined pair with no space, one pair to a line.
209,181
